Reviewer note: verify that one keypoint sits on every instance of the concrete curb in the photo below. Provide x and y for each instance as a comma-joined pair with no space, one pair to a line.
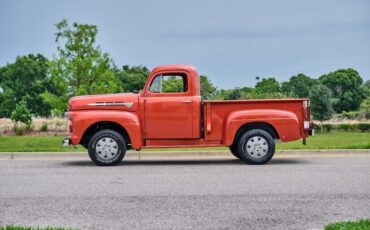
181,154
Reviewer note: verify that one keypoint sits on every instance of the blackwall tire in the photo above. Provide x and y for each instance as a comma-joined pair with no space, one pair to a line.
107,147
234,151
256,146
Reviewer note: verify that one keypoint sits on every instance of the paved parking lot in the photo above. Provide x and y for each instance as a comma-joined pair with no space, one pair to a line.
288,193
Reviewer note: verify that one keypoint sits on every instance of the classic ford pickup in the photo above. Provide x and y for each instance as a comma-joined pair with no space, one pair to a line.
169,112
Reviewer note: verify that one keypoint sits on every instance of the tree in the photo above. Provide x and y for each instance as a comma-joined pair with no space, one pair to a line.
133,78
220,94
21,114
234,94
207,89
24,80
80,67
268,88
346,86
366,89
321,103
365,108
172,84
298,86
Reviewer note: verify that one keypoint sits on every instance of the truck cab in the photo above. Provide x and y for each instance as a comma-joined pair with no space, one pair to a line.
172,102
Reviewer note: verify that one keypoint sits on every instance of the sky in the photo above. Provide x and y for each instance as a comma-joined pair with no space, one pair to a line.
231,41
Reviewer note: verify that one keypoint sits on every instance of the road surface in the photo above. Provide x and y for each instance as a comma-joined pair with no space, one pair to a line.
287,193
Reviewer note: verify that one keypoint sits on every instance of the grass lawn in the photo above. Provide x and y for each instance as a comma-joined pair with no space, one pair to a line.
349,225
335,140
35,144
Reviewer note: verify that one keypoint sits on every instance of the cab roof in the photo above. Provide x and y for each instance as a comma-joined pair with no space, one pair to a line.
175,67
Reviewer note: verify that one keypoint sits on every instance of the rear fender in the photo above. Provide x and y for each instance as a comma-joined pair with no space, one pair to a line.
285,123
82,120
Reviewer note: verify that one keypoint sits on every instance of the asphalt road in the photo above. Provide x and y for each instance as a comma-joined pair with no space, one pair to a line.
288,193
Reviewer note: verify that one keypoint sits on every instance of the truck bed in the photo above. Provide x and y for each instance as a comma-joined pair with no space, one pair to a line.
217,111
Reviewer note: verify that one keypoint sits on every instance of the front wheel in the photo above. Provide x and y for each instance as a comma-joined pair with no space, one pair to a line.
107,147
256,146
234,150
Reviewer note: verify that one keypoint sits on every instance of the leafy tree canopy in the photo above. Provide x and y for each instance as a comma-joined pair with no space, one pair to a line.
207,89
268,88
366,89
298,86
133,78
235,94
24,80
80,67
346,86
365,108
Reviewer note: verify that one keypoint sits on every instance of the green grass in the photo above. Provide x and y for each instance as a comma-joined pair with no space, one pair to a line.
350,225
335,140
12,227
35,144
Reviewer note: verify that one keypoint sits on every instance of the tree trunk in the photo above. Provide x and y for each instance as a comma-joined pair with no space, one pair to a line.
322,128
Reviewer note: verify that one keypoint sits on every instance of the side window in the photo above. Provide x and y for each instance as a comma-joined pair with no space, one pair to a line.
169,83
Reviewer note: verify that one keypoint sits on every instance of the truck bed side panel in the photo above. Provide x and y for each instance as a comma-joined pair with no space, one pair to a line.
285,115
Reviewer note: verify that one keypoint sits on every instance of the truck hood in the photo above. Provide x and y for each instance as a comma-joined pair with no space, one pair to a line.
121,101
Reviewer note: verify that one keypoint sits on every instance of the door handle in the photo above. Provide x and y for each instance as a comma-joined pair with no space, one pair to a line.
186,101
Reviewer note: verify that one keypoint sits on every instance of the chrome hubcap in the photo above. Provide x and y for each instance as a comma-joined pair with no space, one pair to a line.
257,147
106,148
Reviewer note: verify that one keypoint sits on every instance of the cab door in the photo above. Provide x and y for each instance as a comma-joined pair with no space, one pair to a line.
168,107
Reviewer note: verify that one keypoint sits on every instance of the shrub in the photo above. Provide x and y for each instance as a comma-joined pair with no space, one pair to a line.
342,127
21,114
59,123
363,127
328,127
345,127
316,126
44,127
19,130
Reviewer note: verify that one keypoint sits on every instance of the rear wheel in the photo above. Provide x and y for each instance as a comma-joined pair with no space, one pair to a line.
256,146
107,147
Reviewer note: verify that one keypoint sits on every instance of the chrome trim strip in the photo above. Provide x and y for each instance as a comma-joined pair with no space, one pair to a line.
127,104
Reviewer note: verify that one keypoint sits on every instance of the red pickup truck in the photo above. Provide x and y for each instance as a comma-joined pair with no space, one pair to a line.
169,112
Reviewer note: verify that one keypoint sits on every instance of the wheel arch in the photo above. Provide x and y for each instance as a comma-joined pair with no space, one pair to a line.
280,124
256,125
100,125
85,123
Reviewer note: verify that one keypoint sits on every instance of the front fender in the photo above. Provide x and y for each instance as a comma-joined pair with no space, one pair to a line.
285,123
83,119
